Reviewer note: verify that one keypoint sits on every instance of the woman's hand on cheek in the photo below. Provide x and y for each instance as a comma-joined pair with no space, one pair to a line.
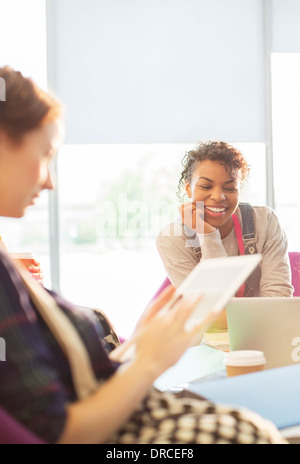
192,216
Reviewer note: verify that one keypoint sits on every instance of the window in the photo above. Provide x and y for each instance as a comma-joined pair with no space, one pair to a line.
23,42
26,51
286,149
113,201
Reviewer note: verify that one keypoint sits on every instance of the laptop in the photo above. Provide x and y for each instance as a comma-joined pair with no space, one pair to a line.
271,325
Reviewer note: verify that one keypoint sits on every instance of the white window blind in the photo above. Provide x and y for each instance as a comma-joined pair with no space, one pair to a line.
157,71
286,26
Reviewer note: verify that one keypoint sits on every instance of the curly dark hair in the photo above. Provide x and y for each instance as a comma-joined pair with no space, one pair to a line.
221,152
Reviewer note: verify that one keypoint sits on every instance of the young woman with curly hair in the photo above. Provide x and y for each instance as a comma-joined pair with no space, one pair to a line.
214,223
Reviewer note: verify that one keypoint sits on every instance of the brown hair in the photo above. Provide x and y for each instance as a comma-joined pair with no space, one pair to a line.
26,106
220,152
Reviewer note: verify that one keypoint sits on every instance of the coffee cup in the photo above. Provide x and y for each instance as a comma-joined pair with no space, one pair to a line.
244,362
26,259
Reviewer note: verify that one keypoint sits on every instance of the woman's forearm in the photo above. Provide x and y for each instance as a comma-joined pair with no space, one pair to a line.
96,419
211,245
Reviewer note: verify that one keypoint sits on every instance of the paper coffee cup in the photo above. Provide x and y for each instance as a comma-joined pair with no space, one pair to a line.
244,362
26,259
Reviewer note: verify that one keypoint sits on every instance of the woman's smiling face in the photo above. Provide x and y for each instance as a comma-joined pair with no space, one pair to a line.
219,189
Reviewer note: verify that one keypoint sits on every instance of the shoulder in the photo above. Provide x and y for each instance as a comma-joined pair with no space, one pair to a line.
267,224
263,214
263,210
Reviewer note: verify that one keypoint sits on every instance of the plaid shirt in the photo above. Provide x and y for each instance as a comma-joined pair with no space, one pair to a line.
35,379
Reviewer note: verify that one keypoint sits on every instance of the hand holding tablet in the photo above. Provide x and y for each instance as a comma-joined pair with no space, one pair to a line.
217,280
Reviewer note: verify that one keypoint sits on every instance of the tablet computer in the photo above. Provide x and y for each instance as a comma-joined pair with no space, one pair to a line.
218,280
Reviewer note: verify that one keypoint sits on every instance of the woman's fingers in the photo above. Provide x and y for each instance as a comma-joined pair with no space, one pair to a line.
162,299
185,309
204,325
34,269
192,215
166,295
186,305
155,307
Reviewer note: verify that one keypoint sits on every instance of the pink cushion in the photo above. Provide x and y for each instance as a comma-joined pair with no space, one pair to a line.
13,433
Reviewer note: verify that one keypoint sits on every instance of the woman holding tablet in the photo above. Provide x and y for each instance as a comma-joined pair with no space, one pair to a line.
57,379
214,223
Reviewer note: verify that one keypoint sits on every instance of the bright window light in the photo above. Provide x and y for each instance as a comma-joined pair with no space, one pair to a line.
23,44
286,124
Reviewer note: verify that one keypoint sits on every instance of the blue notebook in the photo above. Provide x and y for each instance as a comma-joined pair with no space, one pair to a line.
273,394
197,362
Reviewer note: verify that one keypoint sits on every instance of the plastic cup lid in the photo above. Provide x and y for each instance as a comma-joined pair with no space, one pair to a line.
244,358
21,255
